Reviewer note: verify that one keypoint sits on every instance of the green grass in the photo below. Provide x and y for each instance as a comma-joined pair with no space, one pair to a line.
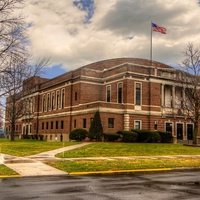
29,147
104,165
5,171
130,149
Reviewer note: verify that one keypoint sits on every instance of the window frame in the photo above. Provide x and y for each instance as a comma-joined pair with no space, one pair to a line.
84,123
108,86
111,124
136,83
140,122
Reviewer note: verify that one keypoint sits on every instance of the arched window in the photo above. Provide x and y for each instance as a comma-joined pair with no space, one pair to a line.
52,100
63,98
48,102
58,99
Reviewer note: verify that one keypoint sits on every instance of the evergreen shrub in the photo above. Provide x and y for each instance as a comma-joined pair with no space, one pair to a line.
128,136
78,134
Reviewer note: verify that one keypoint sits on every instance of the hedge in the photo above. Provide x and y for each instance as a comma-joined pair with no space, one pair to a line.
128,136
147,136
78,134
111,137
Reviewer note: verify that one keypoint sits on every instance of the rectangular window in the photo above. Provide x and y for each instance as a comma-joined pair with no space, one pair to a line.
51,125
137,124
47,125
42,125
138,94
84,123
76,96
111,122
108,93
34,126
168,127
56,124
120,93
75,123
62,125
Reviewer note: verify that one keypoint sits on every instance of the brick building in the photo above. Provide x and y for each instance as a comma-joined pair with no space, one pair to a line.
129,93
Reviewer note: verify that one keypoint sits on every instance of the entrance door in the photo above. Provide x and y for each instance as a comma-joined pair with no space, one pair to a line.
179,131
168,127
190,131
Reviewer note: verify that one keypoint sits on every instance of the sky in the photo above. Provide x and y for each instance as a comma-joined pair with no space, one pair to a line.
72,33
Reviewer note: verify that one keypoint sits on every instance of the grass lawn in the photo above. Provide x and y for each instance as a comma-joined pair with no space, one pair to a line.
29,147
104,165
130,149
5,171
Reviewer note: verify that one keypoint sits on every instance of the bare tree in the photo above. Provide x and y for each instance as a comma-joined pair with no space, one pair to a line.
17,104
11,30
189,76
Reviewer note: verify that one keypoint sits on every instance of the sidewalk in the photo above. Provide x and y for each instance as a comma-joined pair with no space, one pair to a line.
32,166
48,155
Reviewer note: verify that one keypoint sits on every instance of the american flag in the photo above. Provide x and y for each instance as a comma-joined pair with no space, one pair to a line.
157,28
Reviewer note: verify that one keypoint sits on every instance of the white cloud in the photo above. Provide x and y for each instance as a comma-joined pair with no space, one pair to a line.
58,30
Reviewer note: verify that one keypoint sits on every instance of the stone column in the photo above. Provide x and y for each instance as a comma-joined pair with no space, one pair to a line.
183,94
126,122
162,95
173,96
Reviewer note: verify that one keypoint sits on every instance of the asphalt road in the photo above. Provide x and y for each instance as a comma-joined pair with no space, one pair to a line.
167,185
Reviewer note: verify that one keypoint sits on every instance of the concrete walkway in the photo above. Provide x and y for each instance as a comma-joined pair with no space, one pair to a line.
32,166
49,155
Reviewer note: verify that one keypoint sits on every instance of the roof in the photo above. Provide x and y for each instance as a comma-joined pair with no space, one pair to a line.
106,64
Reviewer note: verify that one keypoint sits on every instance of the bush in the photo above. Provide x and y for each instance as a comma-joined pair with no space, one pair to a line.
110,137
128,136
27,137
41,137
147,136
78,134
165,137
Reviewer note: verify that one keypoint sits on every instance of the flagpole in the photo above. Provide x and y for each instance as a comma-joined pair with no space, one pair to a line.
151,44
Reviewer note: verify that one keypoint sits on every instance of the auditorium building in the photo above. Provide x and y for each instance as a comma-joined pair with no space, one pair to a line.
129,93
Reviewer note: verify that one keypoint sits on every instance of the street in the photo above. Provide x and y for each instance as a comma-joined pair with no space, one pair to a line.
165,185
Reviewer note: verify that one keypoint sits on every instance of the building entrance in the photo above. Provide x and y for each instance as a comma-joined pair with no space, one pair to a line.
179,131
190,131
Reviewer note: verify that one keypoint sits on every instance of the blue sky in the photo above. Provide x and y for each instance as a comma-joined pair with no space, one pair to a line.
53,71
73,33
87,6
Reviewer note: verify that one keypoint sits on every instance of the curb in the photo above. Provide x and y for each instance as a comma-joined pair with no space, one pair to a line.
12,176
132,171
122,171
